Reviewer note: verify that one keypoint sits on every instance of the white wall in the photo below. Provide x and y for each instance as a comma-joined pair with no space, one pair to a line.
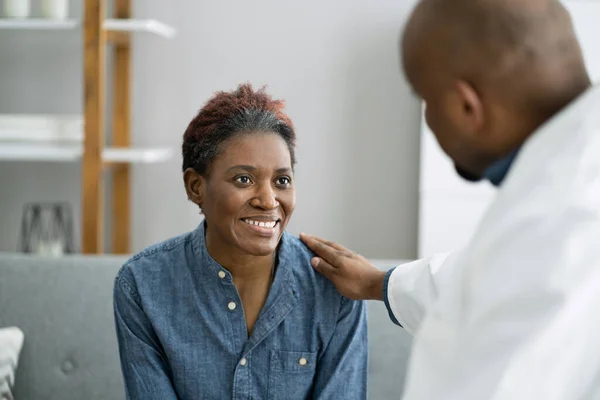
336,64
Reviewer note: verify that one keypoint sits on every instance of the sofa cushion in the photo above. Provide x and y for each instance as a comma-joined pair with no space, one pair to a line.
64,307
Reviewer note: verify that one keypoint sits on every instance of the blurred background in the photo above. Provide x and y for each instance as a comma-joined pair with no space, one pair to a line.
335,63
82,171
370,174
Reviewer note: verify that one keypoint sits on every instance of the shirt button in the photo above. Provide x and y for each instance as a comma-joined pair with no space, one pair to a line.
303,361
232,306
222,274
243,362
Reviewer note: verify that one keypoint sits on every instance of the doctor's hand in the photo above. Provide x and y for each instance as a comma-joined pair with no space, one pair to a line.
354,276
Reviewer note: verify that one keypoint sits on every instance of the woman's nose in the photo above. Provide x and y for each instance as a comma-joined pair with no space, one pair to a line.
265,198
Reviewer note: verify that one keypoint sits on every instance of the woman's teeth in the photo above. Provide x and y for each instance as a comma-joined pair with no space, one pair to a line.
270,224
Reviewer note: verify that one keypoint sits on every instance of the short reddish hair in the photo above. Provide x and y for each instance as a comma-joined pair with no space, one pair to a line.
227,114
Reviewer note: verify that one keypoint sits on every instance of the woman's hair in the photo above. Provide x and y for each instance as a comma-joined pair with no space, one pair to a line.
228,114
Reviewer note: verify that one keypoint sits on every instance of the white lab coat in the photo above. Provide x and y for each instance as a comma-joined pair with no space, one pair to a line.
516,314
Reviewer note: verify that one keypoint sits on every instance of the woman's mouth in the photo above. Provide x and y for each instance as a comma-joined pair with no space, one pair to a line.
261,224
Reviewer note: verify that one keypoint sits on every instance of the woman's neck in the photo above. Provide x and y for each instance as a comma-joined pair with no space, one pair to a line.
248,268
242,266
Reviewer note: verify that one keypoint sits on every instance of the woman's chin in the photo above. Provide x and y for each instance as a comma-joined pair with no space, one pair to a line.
260,249
258,245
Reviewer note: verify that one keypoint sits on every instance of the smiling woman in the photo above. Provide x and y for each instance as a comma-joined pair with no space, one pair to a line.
233,309
247,196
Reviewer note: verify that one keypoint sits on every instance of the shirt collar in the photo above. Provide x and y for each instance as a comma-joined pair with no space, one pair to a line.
205,259
496,172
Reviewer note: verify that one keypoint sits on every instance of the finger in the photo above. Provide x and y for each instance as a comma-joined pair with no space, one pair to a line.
323,250
336,258
329,243
335,245
323,267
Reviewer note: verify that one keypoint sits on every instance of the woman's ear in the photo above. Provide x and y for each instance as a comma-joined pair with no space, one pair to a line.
194,186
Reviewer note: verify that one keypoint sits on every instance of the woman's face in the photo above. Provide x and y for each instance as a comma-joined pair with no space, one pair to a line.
249,196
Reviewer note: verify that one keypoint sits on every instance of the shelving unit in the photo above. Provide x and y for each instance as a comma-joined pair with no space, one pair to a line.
37,23
68,152
71,138
136,25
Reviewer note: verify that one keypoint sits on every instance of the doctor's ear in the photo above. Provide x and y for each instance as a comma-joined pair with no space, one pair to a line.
194,186
471,114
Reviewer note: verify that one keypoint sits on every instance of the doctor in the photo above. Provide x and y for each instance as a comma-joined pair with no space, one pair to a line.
515,314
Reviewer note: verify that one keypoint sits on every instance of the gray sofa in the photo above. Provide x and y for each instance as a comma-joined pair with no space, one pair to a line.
64,307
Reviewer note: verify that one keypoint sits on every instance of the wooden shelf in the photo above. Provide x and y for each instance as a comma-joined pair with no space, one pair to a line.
69,152
132,155
38,24
139,25
112,25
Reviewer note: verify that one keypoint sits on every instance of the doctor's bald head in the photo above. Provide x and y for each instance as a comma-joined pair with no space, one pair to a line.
490,72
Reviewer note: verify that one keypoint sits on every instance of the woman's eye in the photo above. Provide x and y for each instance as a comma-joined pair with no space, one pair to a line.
244,180
284,181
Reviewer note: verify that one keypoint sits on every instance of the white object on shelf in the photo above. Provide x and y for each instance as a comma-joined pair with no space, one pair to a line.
16,8
55,9
136,155
41,127
39,152
50,248
139,25
47,137
37,24
121,25
13,151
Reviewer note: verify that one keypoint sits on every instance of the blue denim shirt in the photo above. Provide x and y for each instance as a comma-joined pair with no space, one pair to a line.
182,332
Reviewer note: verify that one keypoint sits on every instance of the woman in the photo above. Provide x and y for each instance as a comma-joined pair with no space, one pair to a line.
233,309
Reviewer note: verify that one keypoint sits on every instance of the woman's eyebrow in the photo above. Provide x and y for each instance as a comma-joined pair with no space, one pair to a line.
248,168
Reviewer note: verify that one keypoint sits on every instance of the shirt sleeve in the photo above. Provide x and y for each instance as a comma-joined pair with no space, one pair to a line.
342,369
145,371
411,288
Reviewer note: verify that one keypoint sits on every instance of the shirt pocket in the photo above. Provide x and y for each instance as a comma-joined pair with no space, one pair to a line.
291,374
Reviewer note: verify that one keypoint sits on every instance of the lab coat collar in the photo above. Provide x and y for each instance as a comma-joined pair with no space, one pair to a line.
571,116
545,142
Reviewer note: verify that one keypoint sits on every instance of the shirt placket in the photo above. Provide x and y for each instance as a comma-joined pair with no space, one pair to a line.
232,305
282,299
280,302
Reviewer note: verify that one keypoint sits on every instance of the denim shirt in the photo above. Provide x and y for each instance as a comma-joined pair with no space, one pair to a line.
182,331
